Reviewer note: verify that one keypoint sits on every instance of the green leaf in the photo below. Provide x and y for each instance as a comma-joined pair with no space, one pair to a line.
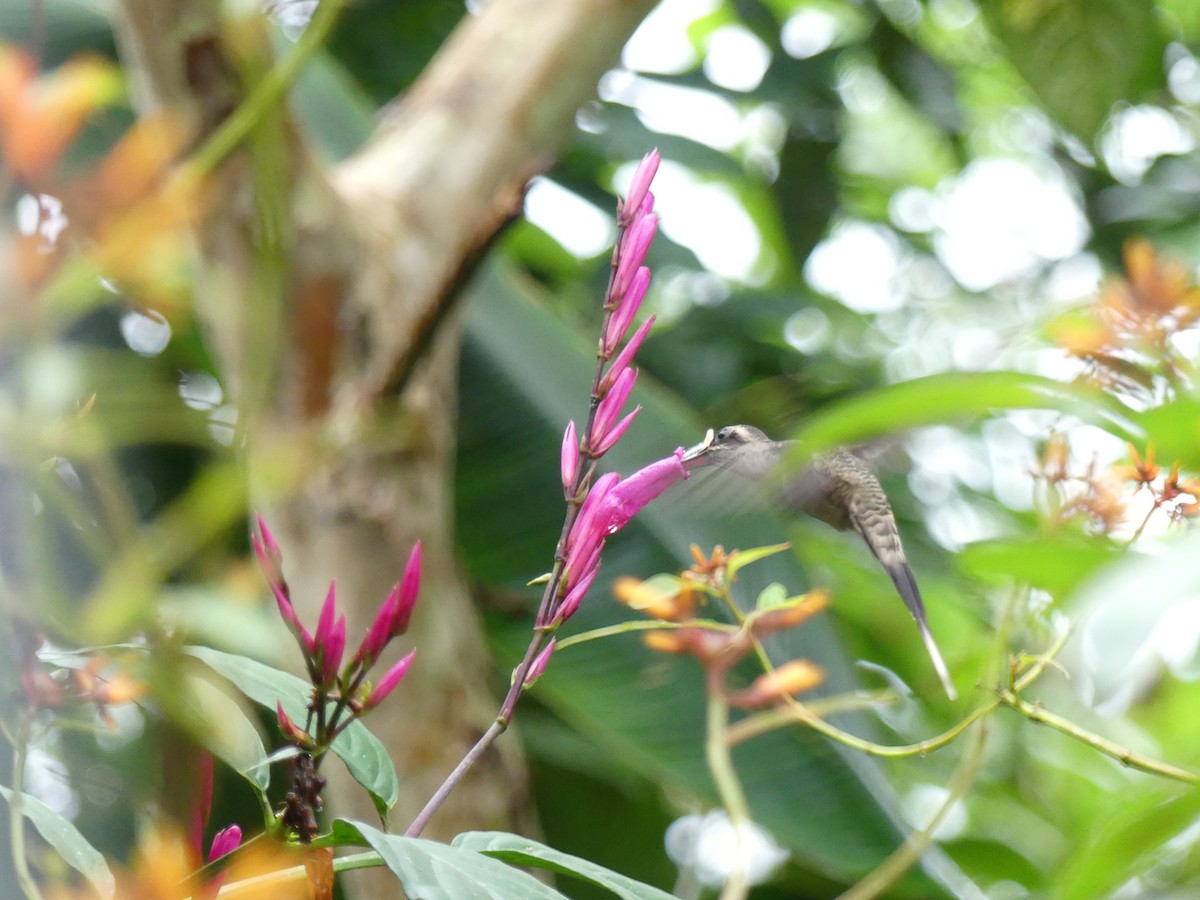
218,722
1080,56
519,851
772,595
742,558
1054,563
431,871
65,838
957,396
363,753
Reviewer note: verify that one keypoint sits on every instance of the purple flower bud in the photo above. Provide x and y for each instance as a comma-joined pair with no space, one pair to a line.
621,363
225,841
570,459
628,497
615,433
634,245
390,679
410,586
538,667
575,595
639,184
610,408
618,322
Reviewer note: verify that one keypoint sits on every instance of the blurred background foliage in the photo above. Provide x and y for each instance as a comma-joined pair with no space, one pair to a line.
854,196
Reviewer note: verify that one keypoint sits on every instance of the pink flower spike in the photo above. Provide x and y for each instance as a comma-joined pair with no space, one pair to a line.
388,682
625,500
621,363
538,667
640,184
410,586
225,841
575,596
615,433
331,651
610,408
618,322
569,458
634,245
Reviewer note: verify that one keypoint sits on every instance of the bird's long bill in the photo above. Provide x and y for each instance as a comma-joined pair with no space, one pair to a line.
693,457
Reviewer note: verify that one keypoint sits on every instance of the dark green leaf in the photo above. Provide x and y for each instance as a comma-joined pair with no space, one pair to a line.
361,751
431,871
1080,56
521,851
67,841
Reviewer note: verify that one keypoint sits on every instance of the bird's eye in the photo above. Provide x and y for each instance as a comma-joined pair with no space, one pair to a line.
727,434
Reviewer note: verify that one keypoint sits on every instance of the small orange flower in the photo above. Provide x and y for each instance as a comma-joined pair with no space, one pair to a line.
789,679
1141,472
646,597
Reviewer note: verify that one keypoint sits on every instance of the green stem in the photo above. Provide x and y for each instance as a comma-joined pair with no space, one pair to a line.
16,812
729,789
1035,713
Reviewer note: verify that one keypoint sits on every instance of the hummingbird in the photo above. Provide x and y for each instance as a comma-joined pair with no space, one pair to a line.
839,489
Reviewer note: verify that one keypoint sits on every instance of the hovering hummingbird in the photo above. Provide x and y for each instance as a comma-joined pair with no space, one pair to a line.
838,488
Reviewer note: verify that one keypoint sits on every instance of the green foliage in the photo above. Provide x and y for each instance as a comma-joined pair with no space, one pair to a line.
67,841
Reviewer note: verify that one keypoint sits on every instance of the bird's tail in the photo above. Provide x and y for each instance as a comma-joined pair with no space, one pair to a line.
938,663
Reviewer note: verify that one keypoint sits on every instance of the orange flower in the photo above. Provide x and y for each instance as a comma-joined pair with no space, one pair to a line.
790,678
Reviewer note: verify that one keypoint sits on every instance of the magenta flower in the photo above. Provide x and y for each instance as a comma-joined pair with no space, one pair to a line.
628,497
615,433
410,586
585,537
570,458
225,841
270,557
388,682
291,731
575,595
639,185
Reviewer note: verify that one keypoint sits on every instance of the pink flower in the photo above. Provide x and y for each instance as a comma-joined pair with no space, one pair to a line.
634,245
640,184
621,363
570,458
225,841
585,534
575,595
291,731
388,682
410,586
538,667
628,497
615,433
631,301
610,408
331,651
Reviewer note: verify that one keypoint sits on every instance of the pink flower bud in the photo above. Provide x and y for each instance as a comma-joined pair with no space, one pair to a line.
610,408
621,363
328,613
575,595
634,245
640,184
585,534
618,322
410,586
388,682
615,433
286,611
538,667
225,841
569,459
331,651
291,731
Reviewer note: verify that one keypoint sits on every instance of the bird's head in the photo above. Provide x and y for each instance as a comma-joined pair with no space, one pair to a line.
742,448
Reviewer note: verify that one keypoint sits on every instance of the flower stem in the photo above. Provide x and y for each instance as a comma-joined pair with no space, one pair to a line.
717,753
16,813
